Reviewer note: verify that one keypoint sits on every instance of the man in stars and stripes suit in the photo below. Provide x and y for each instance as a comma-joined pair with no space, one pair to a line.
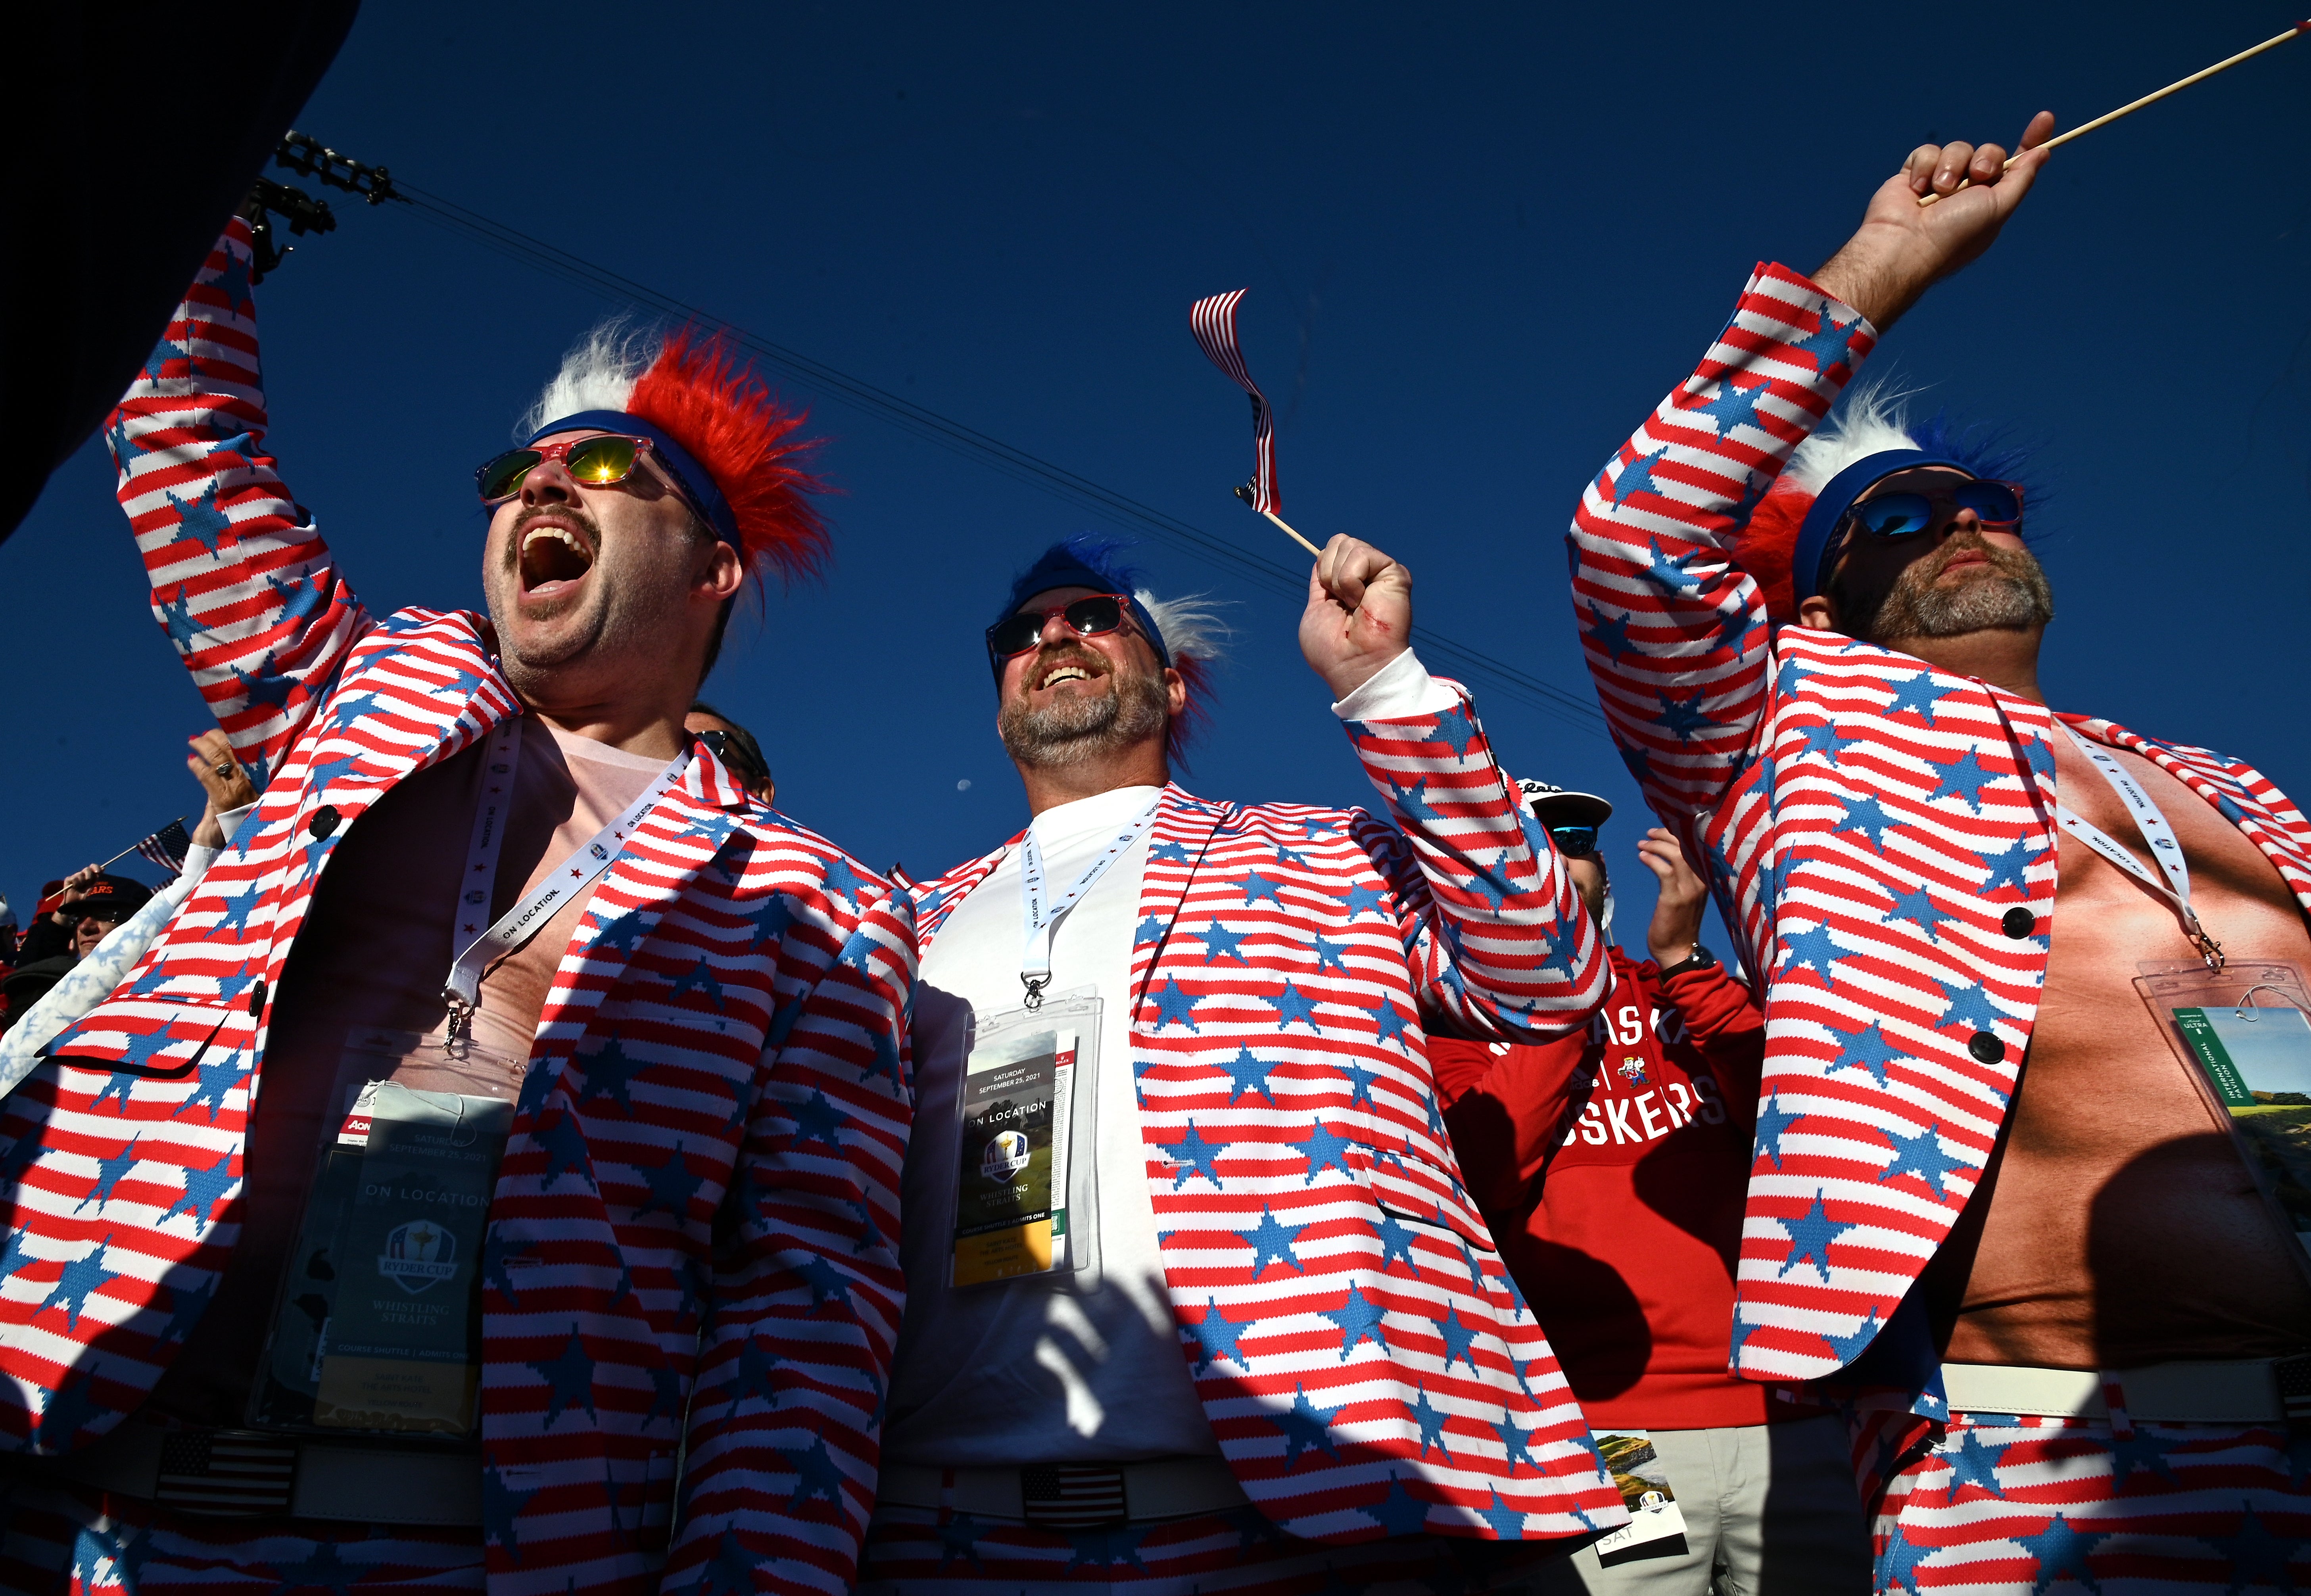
688,1248
1294,1347
1982,1182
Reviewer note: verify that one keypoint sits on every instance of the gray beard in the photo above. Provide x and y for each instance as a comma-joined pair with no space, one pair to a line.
1083,728
2018,595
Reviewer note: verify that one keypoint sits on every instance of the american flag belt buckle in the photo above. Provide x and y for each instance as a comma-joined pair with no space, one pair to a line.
226,1473
2293,1377
1072,1496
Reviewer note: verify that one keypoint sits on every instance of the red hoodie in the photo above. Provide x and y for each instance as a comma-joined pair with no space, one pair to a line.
1612,1167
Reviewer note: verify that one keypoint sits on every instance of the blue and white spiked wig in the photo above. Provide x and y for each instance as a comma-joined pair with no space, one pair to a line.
1791,546
1186,633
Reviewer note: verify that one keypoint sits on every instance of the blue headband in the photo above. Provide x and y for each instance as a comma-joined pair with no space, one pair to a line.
1807,565
1061,567
692,478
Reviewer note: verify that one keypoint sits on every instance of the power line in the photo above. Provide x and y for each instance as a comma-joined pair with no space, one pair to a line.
955,437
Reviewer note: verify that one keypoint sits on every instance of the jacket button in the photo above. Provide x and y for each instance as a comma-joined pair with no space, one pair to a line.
324,820
1985,1047
2018,923
257,999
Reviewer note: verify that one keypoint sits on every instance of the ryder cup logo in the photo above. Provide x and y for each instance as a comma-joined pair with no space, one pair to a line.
418,1255
1005,1156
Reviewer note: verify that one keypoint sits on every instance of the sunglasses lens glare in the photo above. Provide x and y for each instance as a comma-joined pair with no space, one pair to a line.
1092,616
1997,504
1575,841
1015,634
501,478
601,461
1895,515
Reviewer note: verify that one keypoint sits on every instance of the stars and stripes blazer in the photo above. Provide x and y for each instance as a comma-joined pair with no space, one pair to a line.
691,1241
1363,1358
1880,834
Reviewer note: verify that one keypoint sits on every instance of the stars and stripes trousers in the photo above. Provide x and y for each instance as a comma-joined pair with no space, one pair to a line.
76,1540
1238,1553
1996,1504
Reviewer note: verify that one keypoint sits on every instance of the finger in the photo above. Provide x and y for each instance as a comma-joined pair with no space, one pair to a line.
2041,129
1988,162
1920,167
1953,166
1653,861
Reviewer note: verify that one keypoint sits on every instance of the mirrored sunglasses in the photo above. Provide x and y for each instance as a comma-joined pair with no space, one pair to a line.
600,461
1575,841
1899,515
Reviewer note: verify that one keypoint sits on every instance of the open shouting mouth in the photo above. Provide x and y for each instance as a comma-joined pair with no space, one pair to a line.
555,552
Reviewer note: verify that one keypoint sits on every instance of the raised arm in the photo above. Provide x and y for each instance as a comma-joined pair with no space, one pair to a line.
242,583
1497,939
1675,634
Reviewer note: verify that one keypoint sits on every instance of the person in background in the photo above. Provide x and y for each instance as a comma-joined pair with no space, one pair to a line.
735,746
227,795
1612,1167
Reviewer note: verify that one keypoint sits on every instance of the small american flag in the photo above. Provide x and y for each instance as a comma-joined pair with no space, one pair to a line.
1072,1496
218,1471
166,847
1213,321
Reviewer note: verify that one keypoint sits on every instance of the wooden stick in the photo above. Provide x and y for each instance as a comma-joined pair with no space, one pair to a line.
1244,493
2272,43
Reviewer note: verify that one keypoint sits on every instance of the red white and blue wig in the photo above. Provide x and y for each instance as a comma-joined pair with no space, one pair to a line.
1791,544
722,435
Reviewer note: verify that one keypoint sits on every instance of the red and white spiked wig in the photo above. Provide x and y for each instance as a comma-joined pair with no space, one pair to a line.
728,442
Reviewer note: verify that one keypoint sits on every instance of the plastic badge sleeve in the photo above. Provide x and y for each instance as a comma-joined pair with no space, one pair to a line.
2244,1034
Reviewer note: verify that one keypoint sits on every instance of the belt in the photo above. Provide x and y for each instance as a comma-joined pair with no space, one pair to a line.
1071,1495
2238,1391
242,1473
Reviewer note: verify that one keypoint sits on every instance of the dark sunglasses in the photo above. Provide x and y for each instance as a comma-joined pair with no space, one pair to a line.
1089,617
110,914
733,752
601,461
1575,841
1899,515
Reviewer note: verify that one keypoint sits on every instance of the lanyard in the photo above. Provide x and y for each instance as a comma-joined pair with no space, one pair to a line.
1043,913
2160,837
565,881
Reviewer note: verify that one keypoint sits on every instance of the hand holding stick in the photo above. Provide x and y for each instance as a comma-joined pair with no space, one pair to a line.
2272,43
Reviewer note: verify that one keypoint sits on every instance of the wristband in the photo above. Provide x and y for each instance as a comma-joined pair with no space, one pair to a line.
1700,958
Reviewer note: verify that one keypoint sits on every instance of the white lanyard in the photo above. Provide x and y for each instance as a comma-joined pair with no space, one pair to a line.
2160,837
1044,914
565,881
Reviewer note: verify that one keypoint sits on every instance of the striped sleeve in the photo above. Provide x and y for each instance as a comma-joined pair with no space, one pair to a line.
243,585
785,1426
1497,939
1675,632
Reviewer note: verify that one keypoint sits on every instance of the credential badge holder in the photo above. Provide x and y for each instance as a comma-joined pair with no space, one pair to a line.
2244,1034
1025,1204
376,1327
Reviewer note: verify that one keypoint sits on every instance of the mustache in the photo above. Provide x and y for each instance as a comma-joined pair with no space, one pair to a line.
1048,660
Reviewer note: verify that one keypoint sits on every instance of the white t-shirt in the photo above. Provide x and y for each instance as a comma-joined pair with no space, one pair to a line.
1032,1371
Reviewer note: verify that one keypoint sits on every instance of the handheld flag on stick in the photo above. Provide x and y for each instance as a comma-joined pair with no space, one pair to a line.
1213,322
166,847
2272,43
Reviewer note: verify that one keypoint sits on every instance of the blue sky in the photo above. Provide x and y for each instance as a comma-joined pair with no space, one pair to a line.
1481,242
